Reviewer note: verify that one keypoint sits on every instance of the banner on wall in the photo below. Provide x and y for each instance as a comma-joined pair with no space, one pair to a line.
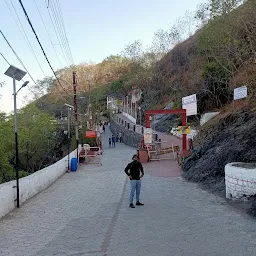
190,104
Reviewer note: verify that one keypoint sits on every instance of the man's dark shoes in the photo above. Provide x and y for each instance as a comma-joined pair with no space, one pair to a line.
132,206
139,203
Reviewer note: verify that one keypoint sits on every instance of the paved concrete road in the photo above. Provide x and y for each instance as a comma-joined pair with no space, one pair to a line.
86,213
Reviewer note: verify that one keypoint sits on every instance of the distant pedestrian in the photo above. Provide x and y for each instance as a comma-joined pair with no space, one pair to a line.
113,141
117,138
135,172
109,142
120,137
103,128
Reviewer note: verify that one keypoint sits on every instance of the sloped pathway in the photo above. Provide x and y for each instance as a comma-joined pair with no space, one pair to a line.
86,213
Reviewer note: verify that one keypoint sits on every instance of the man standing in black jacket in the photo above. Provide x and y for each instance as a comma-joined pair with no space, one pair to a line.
135,171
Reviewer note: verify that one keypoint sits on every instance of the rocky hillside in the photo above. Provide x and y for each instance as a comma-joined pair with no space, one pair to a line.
227,138
219,57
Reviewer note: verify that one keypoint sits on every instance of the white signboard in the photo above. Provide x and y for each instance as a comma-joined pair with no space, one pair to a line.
240,93
147,135
190,104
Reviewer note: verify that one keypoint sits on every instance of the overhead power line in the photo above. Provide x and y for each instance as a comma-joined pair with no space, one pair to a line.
47,32
58,11
35,95
60,29
17,56
5,59
47,3
63,24
19,61
28,19
58,37
24,33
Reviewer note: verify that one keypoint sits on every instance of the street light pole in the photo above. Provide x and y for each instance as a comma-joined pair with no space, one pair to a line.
139,108
16,74
16,137
16,142
70,107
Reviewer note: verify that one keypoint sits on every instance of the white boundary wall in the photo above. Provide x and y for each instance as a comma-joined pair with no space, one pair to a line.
240,179
32,184
132,119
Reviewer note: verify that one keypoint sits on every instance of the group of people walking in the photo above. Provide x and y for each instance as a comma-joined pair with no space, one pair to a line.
112,140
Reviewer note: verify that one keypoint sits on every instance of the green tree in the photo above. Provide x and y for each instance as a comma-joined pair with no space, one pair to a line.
37,137
221,7
6,149
216,79
213,9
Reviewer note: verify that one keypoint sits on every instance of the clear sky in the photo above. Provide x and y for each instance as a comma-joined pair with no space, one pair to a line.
95,30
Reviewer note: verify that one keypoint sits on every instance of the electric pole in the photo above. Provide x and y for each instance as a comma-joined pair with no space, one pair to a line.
69,110
75,110
89,106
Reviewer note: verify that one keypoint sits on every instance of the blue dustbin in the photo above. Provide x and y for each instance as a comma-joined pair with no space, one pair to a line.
73,167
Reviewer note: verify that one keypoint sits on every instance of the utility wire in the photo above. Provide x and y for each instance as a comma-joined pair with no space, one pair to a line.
61,15
59,24
59,28
47,32
25,12
5,59
19,60
20,63
62,26
58,37
35,95
24,33
17,56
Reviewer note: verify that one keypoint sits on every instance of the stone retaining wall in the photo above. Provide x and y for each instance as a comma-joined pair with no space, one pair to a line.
130,138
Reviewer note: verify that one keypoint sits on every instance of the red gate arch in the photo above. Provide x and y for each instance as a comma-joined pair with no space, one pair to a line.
182,112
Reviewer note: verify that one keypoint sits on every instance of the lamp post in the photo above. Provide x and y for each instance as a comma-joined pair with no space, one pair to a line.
16,74
70,107
139,108
83,110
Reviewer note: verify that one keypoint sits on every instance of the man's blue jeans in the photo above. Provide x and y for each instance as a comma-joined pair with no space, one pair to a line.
135,184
